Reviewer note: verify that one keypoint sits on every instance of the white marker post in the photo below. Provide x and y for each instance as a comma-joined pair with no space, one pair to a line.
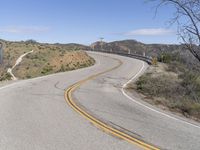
129,51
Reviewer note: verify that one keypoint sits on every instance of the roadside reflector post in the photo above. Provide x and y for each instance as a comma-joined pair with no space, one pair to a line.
129,51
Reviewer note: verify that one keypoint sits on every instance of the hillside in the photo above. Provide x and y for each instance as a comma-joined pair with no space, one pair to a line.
45,59
154,50
172,84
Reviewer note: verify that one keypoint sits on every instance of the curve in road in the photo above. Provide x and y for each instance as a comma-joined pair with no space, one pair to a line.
100,123
34,114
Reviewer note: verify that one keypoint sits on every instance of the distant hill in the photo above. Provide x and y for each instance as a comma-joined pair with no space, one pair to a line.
136,47
50,58
153,50
173,84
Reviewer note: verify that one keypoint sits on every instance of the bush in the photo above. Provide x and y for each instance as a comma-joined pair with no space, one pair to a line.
190,81
161,86
47,69
167,57
154,61
5,76
31,41
182,94
28,76
62,68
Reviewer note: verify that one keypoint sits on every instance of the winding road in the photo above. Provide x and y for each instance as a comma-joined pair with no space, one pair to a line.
38,114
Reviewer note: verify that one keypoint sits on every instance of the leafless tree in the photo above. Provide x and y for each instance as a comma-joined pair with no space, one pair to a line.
187,17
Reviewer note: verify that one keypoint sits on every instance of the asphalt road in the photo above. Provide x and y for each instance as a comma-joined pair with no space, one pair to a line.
34,114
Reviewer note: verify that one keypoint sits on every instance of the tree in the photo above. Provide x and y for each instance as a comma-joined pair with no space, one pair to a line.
31,41
187,17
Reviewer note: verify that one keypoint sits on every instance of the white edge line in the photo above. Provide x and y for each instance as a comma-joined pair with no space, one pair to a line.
122,89
141,104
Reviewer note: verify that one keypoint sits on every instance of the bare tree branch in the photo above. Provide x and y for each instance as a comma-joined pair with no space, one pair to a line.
187,17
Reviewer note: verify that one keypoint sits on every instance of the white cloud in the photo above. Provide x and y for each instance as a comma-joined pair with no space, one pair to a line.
150,32
24,29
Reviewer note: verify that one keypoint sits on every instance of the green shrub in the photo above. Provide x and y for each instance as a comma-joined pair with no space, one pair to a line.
182,94
5,76
62,68
28,76
168,57
47,69
165,58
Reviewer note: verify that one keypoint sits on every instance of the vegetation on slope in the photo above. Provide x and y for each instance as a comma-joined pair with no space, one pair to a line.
153,50
173,84
46,59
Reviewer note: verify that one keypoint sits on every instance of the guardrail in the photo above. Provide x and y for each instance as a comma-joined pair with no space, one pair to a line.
137,56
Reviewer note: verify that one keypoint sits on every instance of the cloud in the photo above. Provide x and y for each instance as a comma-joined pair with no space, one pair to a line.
24,29
150,32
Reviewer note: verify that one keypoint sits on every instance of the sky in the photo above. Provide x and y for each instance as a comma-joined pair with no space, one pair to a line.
85,21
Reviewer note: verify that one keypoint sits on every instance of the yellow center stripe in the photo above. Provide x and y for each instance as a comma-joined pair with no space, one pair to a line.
98,122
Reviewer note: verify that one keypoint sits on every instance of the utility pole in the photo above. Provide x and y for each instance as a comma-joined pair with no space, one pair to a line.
1,53
101,40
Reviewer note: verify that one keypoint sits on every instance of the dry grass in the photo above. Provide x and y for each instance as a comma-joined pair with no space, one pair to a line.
169,90
46,59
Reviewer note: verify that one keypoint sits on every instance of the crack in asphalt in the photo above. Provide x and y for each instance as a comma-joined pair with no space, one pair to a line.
57,87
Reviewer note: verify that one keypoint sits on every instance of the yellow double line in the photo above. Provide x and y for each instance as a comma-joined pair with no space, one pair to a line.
100,124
